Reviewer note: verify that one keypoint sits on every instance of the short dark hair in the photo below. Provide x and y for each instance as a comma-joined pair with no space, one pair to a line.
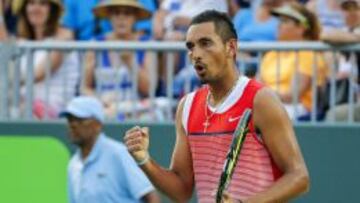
223,24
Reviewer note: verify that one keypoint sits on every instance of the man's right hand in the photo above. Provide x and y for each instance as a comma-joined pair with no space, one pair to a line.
137,142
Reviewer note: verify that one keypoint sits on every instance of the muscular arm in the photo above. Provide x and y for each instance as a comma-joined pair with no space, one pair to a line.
177,182
279,138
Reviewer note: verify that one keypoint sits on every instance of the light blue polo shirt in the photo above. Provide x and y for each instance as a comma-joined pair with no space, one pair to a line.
108,175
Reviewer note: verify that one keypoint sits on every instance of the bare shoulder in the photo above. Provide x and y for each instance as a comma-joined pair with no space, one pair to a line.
268,109
266,98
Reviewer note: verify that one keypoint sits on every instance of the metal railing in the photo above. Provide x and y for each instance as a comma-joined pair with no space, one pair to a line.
16,94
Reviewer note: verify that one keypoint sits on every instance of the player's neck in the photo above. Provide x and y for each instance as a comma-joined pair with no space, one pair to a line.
222,89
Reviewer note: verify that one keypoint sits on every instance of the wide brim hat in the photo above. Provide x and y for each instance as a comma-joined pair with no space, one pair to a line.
102,10
17,5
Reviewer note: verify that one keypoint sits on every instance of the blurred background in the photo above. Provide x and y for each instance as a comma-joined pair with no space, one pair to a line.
51,51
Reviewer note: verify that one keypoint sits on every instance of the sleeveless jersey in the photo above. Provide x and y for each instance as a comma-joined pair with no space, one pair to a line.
255,170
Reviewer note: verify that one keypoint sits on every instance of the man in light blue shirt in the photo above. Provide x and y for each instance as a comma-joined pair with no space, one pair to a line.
101,170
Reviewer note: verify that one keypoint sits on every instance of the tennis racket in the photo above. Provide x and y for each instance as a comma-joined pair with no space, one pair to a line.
233,153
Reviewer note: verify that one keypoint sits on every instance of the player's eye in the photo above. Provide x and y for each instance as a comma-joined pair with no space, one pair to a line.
189,45
205,43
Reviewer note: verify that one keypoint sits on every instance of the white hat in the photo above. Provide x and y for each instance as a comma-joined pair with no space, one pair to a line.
84,107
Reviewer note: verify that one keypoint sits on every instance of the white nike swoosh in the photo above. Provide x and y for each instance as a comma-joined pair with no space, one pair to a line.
232,119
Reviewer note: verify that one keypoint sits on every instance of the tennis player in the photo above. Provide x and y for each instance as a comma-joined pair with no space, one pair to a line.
270,168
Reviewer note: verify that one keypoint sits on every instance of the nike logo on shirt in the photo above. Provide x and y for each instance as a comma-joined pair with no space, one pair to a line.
232,119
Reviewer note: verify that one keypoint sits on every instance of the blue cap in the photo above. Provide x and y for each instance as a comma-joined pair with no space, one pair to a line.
85,107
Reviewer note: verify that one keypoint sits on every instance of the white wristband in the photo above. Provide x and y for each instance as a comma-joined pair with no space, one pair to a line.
142,162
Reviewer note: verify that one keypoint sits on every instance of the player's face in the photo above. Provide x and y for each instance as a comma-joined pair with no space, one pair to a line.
206,51
122,19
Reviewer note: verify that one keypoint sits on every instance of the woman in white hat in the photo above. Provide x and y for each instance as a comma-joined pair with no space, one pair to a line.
38,20
113,78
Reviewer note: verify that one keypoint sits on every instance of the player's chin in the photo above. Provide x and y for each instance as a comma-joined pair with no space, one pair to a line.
203,79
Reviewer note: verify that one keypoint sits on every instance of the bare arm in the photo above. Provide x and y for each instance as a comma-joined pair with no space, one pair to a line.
65,34
178,181
279,138
303,85
87,86
55,57
339,36
151,197
158,24
144,76
181,21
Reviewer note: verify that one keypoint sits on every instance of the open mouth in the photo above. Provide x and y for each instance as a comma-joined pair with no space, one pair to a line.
200,68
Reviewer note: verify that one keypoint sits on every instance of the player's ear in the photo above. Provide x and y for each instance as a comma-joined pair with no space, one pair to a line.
231,47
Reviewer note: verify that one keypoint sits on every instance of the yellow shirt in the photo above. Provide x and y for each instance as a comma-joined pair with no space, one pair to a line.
287,68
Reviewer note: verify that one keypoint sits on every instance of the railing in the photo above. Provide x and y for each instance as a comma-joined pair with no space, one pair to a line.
17,94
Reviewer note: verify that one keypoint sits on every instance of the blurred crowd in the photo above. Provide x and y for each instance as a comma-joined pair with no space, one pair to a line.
109,75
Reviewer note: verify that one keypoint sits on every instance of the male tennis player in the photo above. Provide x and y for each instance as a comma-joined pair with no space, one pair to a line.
270,168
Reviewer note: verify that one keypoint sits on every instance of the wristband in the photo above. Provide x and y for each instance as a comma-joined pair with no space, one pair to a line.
142,162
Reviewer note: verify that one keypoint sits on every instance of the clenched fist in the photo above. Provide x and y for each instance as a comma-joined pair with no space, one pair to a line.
137,142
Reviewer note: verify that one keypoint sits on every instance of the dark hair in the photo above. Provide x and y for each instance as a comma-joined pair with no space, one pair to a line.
223,24
25,30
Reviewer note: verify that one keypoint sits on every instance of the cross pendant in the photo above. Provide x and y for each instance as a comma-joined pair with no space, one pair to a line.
206,124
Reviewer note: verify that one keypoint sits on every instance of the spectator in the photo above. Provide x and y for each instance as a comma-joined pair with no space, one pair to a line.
296,24
101,170
348,68
328,13
257,25
350,33
39,21
80,23
236,5
112,74
173,18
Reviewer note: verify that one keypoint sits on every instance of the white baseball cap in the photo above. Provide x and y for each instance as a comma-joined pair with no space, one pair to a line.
85,107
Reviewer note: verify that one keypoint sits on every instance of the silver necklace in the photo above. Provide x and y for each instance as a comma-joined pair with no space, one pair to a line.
206,124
